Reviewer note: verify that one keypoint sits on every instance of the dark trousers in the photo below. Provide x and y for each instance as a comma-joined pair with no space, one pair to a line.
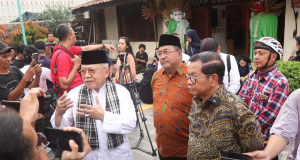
171,158
139,67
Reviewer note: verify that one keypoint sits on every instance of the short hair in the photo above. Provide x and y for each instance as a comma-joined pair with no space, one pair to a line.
142,45
20,48
212,64
62,31
174,34
49,33
17,145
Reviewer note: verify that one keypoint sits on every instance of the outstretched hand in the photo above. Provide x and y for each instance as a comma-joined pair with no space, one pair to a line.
110,48
259,155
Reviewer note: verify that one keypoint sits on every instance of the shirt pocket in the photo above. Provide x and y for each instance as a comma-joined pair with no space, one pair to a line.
263,99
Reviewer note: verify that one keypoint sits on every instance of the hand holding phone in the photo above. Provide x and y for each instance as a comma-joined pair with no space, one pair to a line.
35,56
75,154
61,140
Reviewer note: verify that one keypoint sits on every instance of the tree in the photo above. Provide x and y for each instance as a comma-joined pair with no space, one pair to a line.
33,32
5,35
57,14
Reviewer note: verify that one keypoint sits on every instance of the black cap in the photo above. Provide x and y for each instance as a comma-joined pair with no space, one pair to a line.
41,46
209,44
166,40
93,57
4,48
29,50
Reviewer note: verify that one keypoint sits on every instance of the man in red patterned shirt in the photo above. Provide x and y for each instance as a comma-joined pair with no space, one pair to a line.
266,89
171,101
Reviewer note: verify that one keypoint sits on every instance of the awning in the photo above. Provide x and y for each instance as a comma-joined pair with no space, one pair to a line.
100,4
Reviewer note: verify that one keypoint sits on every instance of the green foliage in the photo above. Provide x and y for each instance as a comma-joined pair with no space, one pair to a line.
46,40
57,14
291,70
33,32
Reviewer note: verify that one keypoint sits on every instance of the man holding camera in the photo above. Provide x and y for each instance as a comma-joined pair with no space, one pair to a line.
65,61
103,109
21,140
12,80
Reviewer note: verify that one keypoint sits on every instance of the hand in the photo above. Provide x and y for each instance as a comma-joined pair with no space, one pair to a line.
74,155
95,112
76,61
63,103
29,106
110,48
30,71
38,72
259,155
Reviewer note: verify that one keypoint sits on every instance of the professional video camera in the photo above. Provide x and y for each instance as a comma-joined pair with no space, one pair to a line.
78,31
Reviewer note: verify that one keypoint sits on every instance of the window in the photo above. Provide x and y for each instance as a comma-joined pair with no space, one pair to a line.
133,25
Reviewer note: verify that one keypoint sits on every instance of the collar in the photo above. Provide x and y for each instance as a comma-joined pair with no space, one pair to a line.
267,73
214,99
181,70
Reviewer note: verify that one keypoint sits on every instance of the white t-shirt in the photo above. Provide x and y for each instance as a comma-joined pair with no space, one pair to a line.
46,74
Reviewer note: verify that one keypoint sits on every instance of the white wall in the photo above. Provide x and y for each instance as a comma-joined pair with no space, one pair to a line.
289,41
111,23
222,21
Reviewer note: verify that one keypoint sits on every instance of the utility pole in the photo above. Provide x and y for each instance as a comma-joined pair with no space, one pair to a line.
22,23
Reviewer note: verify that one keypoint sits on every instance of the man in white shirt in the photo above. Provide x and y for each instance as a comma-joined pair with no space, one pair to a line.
231,81
185,57
103,109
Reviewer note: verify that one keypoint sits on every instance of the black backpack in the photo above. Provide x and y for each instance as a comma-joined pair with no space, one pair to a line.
145,91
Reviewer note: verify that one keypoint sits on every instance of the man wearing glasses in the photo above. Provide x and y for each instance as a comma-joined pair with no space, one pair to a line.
219,119
18,138
101,108
171,101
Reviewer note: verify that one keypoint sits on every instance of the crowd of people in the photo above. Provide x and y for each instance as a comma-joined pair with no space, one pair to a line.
204,101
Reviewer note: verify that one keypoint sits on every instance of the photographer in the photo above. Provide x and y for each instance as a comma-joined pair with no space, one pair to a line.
12,80
65,60
21,140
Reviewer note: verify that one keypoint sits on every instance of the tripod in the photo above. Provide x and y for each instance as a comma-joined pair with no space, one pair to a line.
127,77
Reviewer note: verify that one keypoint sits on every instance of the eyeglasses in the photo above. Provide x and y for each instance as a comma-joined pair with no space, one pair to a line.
41,140
89,71
261,45
165,53
193,78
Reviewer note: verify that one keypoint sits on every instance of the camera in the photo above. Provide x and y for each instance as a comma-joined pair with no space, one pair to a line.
47,105
122,57
78,31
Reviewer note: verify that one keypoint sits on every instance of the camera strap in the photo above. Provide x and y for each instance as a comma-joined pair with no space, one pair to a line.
55,71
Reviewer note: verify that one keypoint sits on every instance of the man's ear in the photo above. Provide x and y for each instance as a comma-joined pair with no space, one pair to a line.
219,49
171,15
214,80
183,15
106,72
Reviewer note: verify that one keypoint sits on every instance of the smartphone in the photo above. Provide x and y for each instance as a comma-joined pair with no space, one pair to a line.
35,56
16,104
11,104
236,156
60,140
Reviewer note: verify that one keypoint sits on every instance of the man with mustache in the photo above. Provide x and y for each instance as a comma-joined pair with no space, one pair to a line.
266,89
12,80
171,101
103,109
